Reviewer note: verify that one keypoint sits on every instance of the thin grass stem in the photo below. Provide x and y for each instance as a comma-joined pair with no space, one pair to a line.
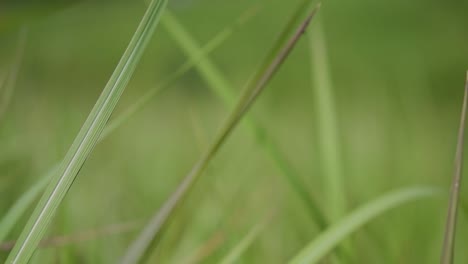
451,222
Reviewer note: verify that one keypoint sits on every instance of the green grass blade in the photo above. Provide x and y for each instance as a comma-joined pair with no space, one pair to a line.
451,223
151,233
225,90
86,139
244,244
329,239
27,199
9,82
327,125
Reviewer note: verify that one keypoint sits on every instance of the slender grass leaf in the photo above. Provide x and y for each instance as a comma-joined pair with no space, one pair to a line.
9,83
451,222
225,90
25,201
86,139
152,232
327,125
315,251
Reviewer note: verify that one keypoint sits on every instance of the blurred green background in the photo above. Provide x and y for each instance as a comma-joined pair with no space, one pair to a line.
398,70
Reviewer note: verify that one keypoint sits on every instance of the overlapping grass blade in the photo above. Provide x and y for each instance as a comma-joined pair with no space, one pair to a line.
152,232
332,236
224,89
87,138
327,125
26,200
451,222
9,82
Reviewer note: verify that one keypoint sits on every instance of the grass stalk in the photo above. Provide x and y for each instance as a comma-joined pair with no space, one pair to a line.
86,138
451,222
152,232
319,248
225,90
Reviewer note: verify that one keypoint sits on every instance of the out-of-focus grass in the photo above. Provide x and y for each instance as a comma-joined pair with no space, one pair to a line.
397,75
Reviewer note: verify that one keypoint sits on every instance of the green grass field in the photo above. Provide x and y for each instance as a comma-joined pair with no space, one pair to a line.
346,155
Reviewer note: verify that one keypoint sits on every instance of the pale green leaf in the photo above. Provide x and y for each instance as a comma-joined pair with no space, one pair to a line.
322,245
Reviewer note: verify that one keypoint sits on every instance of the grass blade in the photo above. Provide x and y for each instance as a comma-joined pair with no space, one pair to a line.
225,90
10,81
326,241
451,223
327,125
152,231
86,139
19,208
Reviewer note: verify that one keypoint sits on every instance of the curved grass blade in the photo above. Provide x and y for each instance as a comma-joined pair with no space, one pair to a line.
327,125
87,138
225,90
10,81
330,238
152,232
19,208
451,222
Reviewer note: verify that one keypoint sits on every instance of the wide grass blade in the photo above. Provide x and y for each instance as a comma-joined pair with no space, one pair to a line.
451,223
327,125
328,240
87,138
26,200
152,232
9,83
225,90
